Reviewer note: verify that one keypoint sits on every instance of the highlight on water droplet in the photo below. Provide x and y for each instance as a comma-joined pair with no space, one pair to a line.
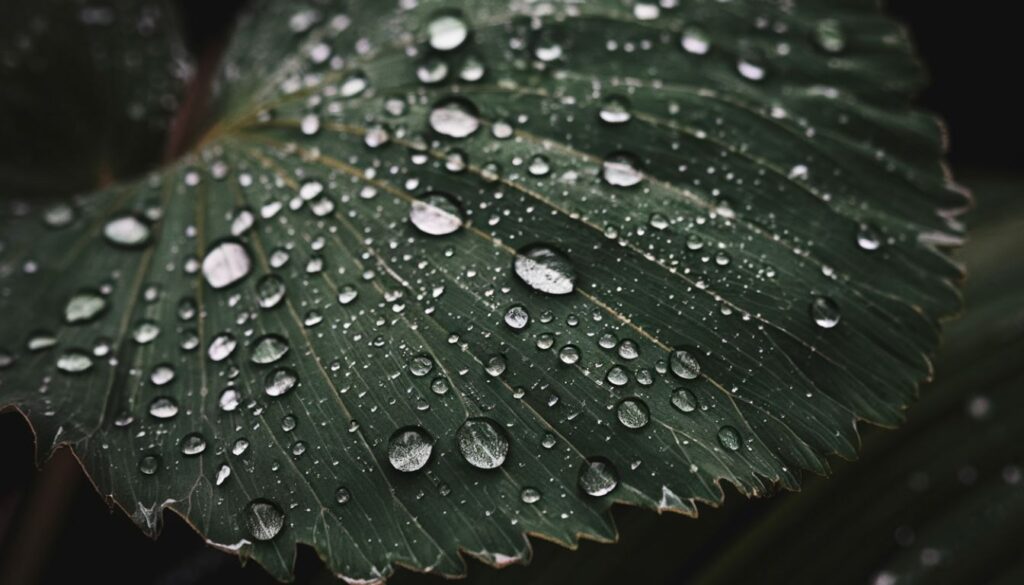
447,31
226,263
483,443
264,519
545,269
598,477
683,364
409,449
825,312
621,169
436,214
127,230
454,117
633,413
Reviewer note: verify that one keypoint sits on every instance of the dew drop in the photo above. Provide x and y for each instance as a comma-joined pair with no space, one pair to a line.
482,443
495,365
569,354
74,362
149,464
409,449
684,400
84,306
421,365
447,32
695,41
825,312
617,376
683,364
621,169
517,317
268,349
868,238
279,382
222,346
229,400
270,290
729,438
455,118
598,477
264,519
436,214
193,444
546,270
342,495
127,230
828,35
615,110
226,263
633,413
163,408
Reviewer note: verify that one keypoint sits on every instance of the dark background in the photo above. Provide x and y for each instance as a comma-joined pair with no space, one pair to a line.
972,52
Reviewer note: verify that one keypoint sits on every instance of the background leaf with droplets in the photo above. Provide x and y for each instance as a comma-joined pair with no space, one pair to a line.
441,276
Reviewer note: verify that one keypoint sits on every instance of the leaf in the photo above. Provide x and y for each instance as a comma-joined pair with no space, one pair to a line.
394,317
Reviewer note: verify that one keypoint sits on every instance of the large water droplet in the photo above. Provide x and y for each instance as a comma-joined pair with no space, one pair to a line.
409,449
193,444
729,438
222,346
84,307
684,400
825,312
529,495
163,408
421,365
483,443
684,364
454,117
545,269
270,290
226,263
695,41
868,238
633,413
149,464
74,362
447,32
264,519
621,169
615,110
268,349
436,214
598,477
517,317
127,230
280,382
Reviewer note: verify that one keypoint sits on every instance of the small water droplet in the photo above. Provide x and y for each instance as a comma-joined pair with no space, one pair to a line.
695,41
127,230
421,365
825,312
617,376
222,346
621,169
684,400
828,35
279,382
455,118
569,354
270,290
193,444
447,32
868,238
495,365
84,306
268,349
342,495
517,317
529,495
74,362
615,110
163,408
729,438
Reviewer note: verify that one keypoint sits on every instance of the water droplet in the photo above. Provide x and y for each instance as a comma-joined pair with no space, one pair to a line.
447,32
347,294
482,443
617,376
409,449
633,413
84,306
729,438
149,464
684,364
310,124
825,312
598,477
222,346
684,400
59,215
621,169
539,165
226,263
270,290
127,230
868,238
529,495
421,365
74,362
545,270
615,110
750,67
161,375
280,382
569,354
342,495
193,444
517,317
268,349
223,473
432,70
454,117
695,41
436,214
229,400
264,519
495,365
163,408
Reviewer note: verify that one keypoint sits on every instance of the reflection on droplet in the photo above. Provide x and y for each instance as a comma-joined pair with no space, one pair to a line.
436,214
482,443
264,519
226,263
825,312
598,477
409,449
546,270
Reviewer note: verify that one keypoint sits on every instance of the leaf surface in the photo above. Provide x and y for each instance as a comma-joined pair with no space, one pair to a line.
443,276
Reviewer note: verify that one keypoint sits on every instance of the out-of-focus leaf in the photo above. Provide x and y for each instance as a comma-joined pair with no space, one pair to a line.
441,276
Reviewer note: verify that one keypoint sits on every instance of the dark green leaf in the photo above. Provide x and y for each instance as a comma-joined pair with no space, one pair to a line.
452,288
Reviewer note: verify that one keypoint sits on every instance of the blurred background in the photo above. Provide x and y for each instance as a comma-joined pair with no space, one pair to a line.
939,501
